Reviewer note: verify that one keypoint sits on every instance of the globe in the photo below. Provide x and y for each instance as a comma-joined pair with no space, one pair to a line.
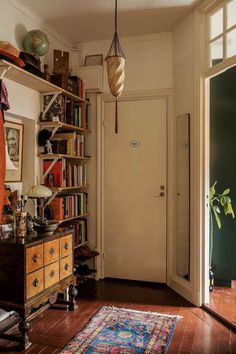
36,42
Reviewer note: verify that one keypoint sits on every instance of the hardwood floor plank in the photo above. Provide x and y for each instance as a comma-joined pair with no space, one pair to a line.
197,332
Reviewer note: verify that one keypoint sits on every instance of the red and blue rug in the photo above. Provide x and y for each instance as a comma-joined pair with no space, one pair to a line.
123,331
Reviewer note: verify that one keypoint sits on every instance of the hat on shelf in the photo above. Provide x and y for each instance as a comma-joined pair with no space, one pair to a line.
10,53
32,63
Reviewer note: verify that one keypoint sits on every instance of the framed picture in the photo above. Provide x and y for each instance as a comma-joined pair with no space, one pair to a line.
93,60
14,140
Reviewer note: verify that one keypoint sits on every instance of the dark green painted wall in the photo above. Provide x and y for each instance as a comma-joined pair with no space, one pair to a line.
223,168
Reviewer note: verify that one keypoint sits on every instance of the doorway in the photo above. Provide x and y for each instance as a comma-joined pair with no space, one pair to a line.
135,164
223,177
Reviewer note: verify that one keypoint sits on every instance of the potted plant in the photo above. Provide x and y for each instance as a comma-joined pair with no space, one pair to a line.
219,202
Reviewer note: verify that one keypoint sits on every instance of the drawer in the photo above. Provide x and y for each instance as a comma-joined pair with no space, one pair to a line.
66,267
34,258
65,246
51,251
51,274
34,283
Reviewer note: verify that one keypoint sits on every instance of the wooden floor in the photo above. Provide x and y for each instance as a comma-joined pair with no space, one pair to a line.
223,303
196,331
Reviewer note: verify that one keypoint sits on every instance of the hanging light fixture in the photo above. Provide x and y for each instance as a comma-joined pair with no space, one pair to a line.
116,68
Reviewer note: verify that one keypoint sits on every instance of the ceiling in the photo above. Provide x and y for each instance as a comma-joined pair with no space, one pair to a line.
78,21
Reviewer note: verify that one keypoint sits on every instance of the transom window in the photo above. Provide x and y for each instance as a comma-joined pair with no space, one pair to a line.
222,33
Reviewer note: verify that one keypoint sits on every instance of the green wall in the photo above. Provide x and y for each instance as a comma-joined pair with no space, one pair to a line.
223,167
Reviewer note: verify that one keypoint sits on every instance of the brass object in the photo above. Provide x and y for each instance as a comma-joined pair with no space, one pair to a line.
20,224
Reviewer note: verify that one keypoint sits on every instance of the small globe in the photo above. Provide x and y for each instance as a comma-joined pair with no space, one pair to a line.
36,42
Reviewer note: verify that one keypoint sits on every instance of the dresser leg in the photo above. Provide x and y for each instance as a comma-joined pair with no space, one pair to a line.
72,295
23,328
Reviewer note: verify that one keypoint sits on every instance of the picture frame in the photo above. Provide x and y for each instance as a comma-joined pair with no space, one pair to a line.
91,60
14,133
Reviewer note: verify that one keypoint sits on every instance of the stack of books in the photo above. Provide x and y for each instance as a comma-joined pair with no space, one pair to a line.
65,207
65,174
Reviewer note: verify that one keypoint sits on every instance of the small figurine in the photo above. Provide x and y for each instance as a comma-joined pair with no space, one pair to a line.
48,147
29,223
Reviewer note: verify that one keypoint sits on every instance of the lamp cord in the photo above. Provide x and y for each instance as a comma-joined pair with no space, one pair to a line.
115,15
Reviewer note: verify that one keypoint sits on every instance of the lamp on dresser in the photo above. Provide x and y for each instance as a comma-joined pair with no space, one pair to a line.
42,194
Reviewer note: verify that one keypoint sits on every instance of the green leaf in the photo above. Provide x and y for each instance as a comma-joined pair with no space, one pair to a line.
212,191
217,209
227,191
223,200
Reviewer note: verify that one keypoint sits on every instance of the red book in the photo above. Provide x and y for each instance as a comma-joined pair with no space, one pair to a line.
57,206
55,176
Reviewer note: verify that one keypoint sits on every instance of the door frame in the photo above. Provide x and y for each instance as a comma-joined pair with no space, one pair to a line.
202,139
170,187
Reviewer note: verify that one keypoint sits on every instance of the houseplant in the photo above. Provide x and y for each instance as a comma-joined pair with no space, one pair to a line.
219,202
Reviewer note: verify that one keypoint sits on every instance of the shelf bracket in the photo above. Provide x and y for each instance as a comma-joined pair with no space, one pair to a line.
55,129
49,168
53,196
4,70
52,100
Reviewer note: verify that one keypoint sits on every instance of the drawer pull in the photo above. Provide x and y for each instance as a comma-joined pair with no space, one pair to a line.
66,266
51,251
66,246
35,283
52,274
35,258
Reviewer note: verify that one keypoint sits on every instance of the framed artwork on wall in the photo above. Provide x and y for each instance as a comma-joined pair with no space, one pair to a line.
14,140
91,60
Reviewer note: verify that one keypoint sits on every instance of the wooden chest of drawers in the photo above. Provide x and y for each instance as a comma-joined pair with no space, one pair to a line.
33,270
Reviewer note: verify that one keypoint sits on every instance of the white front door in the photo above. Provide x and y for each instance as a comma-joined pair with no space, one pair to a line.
135,190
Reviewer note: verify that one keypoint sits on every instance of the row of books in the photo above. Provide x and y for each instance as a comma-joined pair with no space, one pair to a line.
66,110
80,231
65,173
70,206
68,144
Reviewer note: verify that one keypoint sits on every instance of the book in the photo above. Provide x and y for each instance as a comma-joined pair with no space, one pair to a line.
57,206
55,175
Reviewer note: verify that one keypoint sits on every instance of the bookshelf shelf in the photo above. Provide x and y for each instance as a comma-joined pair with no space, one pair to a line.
80,245
23,77
64,189
64,127
60,156
73,218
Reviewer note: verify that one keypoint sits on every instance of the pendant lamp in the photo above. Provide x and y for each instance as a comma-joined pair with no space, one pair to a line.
116,68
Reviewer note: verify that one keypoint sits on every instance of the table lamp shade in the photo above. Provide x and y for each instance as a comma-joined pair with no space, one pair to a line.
39,191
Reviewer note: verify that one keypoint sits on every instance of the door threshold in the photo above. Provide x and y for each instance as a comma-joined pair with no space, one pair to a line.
219,317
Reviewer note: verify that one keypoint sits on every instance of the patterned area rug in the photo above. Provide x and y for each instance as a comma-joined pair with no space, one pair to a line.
123,331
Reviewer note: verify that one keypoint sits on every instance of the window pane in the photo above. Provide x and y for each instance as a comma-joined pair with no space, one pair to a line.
231,13
231,43
216,52
216,23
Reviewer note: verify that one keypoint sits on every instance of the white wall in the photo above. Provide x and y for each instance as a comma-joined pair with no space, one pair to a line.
149,63
183,49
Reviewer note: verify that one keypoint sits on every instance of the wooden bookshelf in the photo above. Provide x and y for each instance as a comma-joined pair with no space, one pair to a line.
80,245
23,77
64,189
72,218
60,156
64,126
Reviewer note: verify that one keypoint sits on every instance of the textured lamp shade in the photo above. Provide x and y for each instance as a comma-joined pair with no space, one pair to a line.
39,191
9,163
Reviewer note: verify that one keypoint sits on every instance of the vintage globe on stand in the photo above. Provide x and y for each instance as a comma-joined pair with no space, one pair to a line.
36,42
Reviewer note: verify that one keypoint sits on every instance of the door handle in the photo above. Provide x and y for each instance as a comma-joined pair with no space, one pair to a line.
157,195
